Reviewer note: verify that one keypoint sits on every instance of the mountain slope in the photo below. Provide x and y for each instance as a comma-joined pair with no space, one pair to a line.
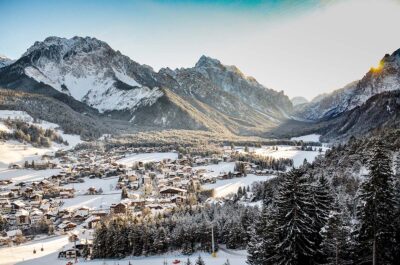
4,61
87,73
385,77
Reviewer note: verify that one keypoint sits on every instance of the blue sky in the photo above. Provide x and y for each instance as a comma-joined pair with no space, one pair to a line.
302,47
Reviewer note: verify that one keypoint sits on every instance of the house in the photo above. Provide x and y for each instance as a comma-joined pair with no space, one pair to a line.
36,216
66,226
177,199
171,191
120,208
22,217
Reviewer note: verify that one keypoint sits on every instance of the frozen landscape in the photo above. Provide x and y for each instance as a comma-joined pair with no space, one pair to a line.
198,132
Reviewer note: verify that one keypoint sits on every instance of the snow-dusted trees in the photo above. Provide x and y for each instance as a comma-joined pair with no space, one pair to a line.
376,210
295,228
288,232
187,230
262,238
336,238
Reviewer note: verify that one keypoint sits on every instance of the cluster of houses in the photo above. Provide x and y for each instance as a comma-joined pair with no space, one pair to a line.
28,207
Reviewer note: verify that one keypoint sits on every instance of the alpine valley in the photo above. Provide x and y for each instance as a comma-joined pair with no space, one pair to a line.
90,79
104,160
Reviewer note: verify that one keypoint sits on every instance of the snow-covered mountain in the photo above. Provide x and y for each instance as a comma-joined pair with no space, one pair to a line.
4,61
385,77
207,95
90,71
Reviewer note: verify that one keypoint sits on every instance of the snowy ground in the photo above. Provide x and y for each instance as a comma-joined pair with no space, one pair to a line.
235,258
225,187
215,169
147,157
22,115
284,151
24,252
102,201
307,138
106,184
16,152
19,175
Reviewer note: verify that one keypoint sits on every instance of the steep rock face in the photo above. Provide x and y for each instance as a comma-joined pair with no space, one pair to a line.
90,71
208,96
385,77
4,61
227,96
379,111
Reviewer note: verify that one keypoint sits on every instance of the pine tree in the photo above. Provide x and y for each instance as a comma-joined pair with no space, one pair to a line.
188,262
200,261
294,224
335,234
322,204
376,210
262,239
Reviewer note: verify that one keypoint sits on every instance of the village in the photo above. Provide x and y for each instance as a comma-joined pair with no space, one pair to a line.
89,185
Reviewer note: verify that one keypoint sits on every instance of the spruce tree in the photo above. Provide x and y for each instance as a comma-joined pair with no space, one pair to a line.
336,244
199,261
294,226
376,210
322,204
262,238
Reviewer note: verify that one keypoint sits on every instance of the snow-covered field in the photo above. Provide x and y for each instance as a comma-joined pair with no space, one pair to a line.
24,252
106,184
225,187
216,169
284,151
307,138
16,152
97,202
18,175
147,157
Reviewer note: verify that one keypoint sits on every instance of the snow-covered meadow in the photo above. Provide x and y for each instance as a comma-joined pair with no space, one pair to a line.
225,187
17,152
146,157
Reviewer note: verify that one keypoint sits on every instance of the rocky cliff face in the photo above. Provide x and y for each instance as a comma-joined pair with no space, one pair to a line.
209,95
4,61
385,77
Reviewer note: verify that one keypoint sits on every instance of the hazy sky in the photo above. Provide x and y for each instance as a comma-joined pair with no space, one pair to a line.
302,47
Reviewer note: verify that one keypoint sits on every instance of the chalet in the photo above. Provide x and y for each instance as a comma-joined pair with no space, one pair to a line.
36,216
92,222
66,226
120,208
171,191
22,217
5,206
177,199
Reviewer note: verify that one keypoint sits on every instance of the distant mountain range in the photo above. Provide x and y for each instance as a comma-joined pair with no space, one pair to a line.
91,78
386,77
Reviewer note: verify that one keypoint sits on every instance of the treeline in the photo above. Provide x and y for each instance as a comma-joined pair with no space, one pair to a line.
30,133
306,222
186,230
264,162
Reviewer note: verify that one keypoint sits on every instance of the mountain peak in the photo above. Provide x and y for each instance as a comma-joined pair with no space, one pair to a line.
206,61
64,45
4,61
